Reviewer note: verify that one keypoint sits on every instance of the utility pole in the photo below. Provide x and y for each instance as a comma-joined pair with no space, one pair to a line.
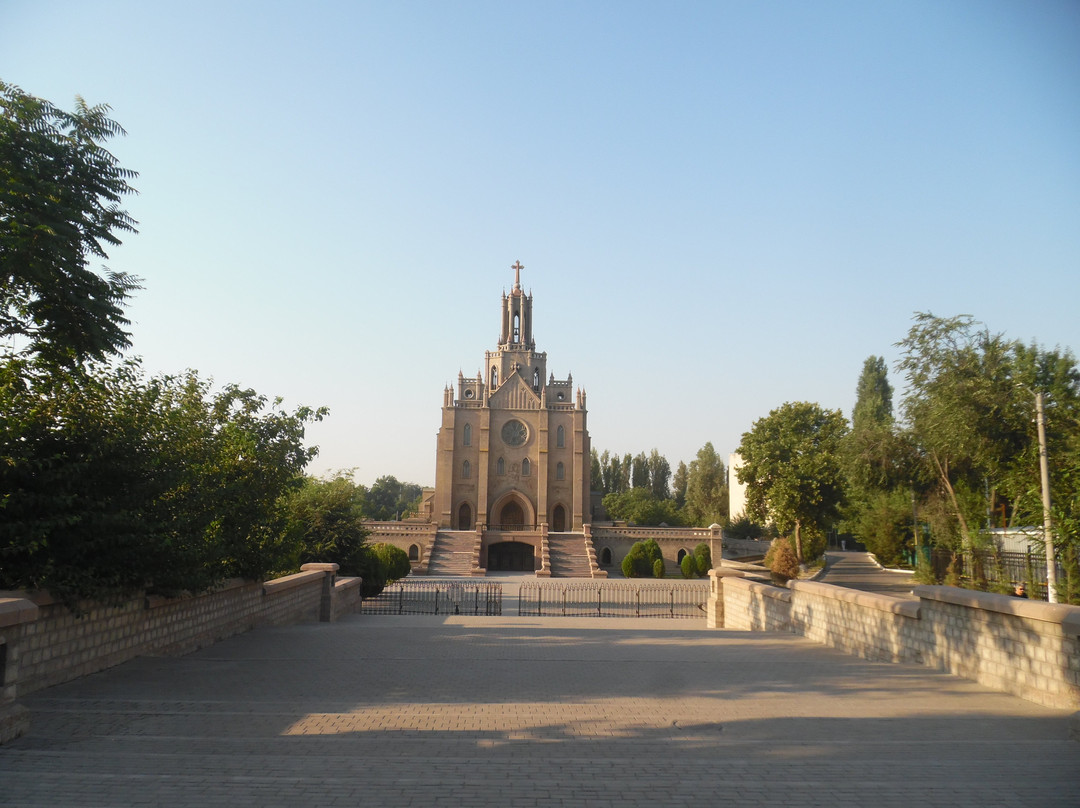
1044,472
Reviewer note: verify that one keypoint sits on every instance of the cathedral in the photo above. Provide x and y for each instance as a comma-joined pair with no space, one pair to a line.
512,474
513,447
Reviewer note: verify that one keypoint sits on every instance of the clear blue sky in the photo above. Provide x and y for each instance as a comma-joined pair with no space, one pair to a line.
721,206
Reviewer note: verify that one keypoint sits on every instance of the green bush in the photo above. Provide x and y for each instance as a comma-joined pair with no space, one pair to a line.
658,568
688,566
642,559
395,561
703,559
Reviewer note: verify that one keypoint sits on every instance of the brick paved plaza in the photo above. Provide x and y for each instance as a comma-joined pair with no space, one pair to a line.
509,711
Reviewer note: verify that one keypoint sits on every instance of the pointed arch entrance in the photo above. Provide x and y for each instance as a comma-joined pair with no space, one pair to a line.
558,519
512,511
464,521
511,516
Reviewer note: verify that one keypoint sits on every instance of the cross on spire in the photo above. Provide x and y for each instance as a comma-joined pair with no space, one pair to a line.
517,267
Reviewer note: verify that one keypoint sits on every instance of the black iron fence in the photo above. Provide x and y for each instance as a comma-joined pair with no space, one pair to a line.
436,597
613,599
989,569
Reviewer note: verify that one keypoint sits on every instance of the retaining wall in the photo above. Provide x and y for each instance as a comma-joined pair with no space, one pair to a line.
43,643
1027,648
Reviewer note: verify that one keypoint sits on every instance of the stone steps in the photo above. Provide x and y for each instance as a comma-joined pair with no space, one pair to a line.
569,557
453,554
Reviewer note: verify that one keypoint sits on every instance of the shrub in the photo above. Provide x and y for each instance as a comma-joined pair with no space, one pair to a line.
688,566
394,560
642,559
781,560
703,559
658,568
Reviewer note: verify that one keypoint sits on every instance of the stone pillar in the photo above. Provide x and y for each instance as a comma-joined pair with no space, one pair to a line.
326,604
14,614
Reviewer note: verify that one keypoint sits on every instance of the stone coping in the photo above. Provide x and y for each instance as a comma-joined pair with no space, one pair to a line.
869,600
1068,617
292,581
345,584
766,590
157,601
14,611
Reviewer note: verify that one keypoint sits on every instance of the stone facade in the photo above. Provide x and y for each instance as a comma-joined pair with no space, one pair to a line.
513,449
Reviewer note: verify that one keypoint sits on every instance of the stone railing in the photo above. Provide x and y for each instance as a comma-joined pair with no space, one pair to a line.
1027,648
43,643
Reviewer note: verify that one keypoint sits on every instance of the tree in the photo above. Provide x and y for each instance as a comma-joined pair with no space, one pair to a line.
960,407
706,489
325,518
792,469
389,500
114,483
678,484
659,475
639,474
641,507
60,191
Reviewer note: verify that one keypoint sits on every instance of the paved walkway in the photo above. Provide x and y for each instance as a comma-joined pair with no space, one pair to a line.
855,570
422,711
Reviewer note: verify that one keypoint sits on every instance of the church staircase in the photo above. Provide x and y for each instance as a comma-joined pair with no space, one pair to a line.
571,556
455,552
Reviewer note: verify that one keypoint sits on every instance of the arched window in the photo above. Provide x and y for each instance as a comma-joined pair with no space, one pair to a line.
560,472
494,377
500,467
517,327
466,436
466,469
536,380
526,467
414,552
560,438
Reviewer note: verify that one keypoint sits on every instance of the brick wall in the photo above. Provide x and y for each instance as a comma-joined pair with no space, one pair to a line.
42,643
1028,648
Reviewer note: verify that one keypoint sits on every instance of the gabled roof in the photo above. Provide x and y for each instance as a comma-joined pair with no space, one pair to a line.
514,394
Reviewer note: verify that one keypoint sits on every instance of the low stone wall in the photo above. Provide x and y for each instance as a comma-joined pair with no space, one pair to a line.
1027,648
43,643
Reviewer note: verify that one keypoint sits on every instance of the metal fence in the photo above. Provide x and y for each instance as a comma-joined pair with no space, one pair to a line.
986,568
613,599
436,597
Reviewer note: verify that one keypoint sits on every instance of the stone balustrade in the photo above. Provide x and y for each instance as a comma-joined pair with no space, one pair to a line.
1027,648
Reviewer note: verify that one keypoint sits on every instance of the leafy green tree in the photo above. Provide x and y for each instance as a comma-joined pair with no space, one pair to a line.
706,489
60,194
659,475
115,483
960,406
390,500
597,472
641,507
678,484
688,566
639,474
792,469
325,520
